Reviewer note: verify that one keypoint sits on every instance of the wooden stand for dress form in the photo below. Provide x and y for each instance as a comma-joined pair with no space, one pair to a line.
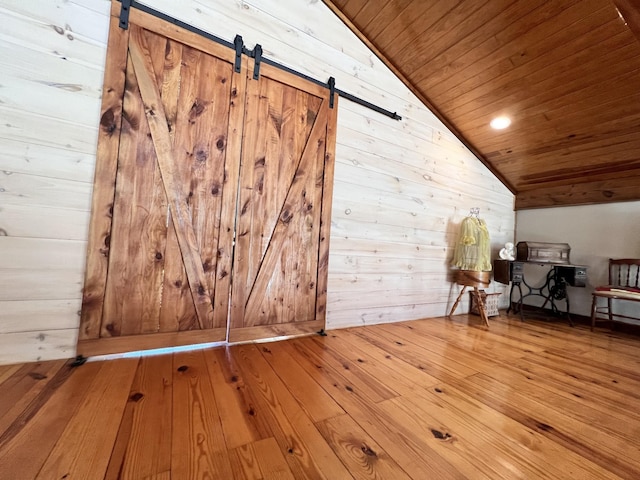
469,278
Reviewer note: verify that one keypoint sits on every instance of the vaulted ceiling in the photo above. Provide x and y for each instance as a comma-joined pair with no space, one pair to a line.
566,72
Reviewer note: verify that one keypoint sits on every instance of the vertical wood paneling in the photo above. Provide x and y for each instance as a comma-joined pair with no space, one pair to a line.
171,178
138,235
102,202
181,314
280,206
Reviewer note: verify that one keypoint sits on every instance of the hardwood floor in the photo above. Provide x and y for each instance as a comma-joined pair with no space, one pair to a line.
418,400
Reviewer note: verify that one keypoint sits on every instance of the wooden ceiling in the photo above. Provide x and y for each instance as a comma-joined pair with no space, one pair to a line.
567,73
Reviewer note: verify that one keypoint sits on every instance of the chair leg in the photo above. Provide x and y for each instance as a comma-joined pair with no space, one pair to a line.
610,311
594,307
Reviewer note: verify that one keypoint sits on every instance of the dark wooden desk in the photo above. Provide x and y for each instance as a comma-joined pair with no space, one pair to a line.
554,288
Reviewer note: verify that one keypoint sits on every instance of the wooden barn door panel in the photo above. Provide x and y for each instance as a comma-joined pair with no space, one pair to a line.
177,121
279,275
168,244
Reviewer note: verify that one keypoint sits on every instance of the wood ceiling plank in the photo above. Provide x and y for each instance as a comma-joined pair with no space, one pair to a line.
419,95
630,12
375,13
617,190
544,46
623,140
552,81
416,22
602,121
588,160
451,64
514,20
381,16
417,11
351,7
501,44
510,160
461,20
559,94
607,123
568,175
565,70
540,171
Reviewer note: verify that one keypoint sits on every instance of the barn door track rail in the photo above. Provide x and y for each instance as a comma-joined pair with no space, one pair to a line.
255,53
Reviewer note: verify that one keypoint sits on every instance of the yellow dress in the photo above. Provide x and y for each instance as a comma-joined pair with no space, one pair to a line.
473,250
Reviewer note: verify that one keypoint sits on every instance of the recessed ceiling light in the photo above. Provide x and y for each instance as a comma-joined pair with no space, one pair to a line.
500,122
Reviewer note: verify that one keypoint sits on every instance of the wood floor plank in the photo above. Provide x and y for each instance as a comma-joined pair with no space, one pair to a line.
434,398
440,367
18,391
272,463
580,382
236,406
566,392
307,453
159,476
80,452
7,371
602,361
374,389
262,460
529,452
472,340
578,405
417,458
483,358
619,457
469,458
317,403
618,378
364,458
244,463
558,334
198,448
406,378
27,443
145,432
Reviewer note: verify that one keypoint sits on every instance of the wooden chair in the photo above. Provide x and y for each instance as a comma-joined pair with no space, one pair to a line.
624,274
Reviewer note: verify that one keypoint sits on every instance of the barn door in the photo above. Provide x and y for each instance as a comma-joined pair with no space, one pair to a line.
161,240
179,117
281,255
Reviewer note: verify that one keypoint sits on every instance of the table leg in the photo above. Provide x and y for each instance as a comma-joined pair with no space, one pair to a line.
520,302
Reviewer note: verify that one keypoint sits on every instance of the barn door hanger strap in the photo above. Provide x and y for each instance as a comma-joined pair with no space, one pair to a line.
256,54
332,90
239,46
124,14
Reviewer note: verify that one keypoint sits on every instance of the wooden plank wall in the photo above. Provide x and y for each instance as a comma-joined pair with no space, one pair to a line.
51,68
401,187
